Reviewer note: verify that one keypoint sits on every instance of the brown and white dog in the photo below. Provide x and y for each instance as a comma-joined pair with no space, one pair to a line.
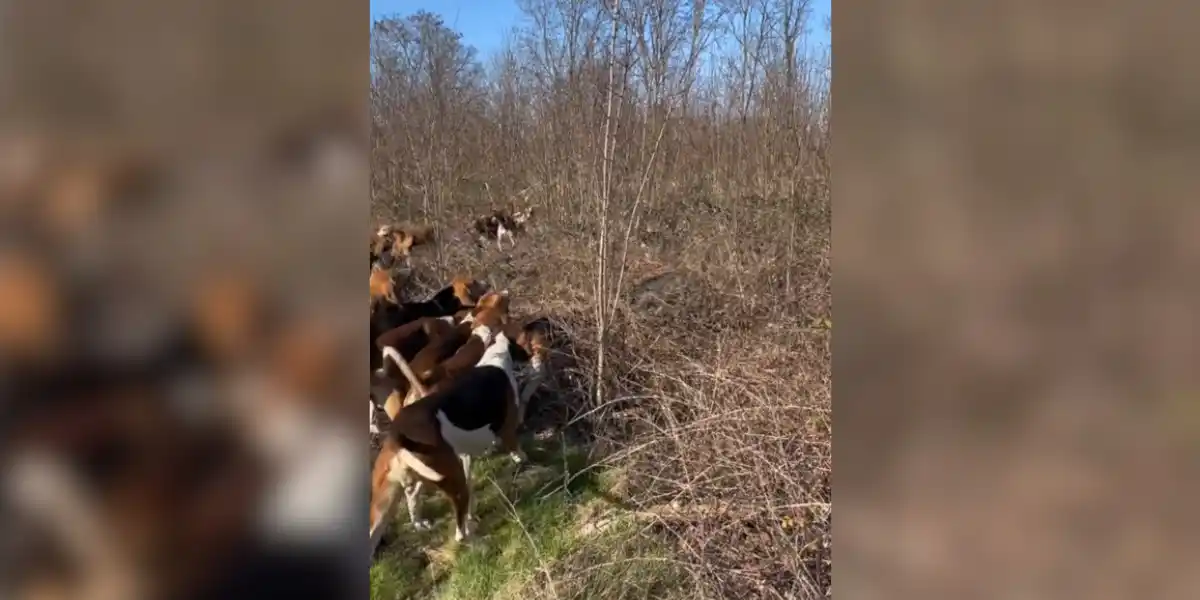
501,224
461,346
531,351
491,320
391,242
434,439
534,340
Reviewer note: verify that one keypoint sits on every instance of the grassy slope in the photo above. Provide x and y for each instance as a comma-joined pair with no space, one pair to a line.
533,540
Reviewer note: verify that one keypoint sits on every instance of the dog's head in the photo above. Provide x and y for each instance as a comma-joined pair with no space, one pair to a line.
492,310
404,239
468,291
419,234
535,341
522,217
493,301
533,338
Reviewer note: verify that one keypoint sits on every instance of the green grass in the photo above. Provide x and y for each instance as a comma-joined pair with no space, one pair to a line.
529,539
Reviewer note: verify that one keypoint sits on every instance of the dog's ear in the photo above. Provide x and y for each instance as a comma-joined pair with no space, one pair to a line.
499,301
464,292
494,300
487,301
478,288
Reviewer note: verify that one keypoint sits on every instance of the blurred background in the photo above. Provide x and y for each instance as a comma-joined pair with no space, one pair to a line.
1015,362
180,184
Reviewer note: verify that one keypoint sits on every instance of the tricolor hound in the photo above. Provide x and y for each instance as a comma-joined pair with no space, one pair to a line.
389,242
501,224
435,438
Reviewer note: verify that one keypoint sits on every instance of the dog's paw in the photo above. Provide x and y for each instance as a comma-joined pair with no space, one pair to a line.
422,525
463,533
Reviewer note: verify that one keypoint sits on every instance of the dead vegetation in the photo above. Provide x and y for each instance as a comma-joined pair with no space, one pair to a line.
682,232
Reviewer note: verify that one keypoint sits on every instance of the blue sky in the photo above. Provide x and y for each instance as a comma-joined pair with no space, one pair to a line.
484,23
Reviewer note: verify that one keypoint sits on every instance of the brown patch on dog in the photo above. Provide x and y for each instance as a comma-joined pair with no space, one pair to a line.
418,235
30,309
304,360
439,349
383,286
383,490
535,342
404,238
409,340
498,300
468,354
227,310
74,200
87,190
402,244
411,337
388,475
493,314
467,290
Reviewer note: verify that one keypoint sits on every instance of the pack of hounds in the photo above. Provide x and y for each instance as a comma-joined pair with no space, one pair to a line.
390,242
453,373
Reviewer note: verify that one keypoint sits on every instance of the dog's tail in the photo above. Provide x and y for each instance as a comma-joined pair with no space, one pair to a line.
413,380
411,461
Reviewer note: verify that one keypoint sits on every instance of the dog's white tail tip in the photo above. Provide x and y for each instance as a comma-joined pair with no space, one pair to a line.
411,461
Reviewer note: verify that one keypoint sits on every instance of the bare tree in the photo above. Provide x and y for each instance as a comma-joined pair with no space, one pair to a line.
605,203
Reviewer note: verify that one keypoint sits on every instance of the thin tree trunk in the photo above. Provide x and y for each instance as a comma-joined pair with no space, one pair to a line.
606,168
